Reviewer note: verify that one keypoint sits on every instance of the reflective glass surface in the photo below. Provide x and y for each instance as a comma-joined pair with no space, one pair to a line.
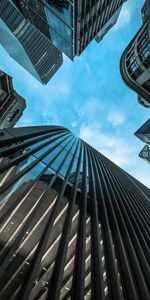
60,26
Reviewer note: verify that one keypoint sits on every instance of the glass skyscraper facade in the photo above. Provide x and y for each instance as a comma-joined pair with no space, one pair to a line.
135,61
36,33
70,24
28,46
73,225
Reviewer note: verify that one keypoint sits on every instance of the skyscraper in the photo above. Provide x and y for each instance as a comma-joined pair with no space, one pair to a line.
143,133
72,24
135,61
73,224
28,46
12,104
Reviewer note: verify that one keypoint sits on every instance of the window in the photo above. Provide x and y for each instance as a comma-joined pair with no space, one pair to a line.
144,50
12,115
133,63
143,42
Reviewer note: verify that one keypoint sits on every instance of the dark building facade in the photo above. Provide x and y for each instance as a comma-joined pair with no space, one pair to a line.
73,225
145,153
72,24
143,133
135,61
12,104
25,44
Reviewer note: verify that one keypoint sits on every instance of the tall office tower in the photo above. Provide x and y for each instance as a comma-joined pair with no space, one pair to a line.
72,24
12,105
135,61
25,44
73,225
143,133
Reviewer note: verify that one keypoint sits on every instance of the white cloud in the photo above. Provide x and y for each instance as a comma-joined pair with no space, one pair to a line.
74,124
91,108
110,145
116,118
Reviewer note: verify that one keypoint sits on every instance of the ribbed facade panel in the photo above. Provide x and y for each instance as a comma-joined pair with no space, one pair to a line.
93,21
73,225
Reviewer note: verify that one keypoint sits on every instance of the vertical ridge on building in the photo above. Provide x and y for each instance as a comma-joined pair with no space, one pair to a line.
73,225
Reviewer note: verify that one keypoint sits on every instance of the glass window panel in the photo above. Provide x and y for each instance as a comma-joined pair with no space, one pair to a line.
49,171
45,135
74,147
64,13
65,143
23,182
65,167
38,144
50,156
58,161
44,149
69,145
61,139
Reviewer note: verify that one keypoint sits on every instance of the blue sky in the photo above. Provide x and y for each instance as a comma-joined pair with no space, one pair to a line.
90,98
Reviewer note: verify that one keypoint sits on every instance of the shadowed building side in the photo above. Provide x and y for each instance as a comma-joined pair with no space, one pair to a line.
143,133
72,24
145,153
73,225
28,46
12,104
135,60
